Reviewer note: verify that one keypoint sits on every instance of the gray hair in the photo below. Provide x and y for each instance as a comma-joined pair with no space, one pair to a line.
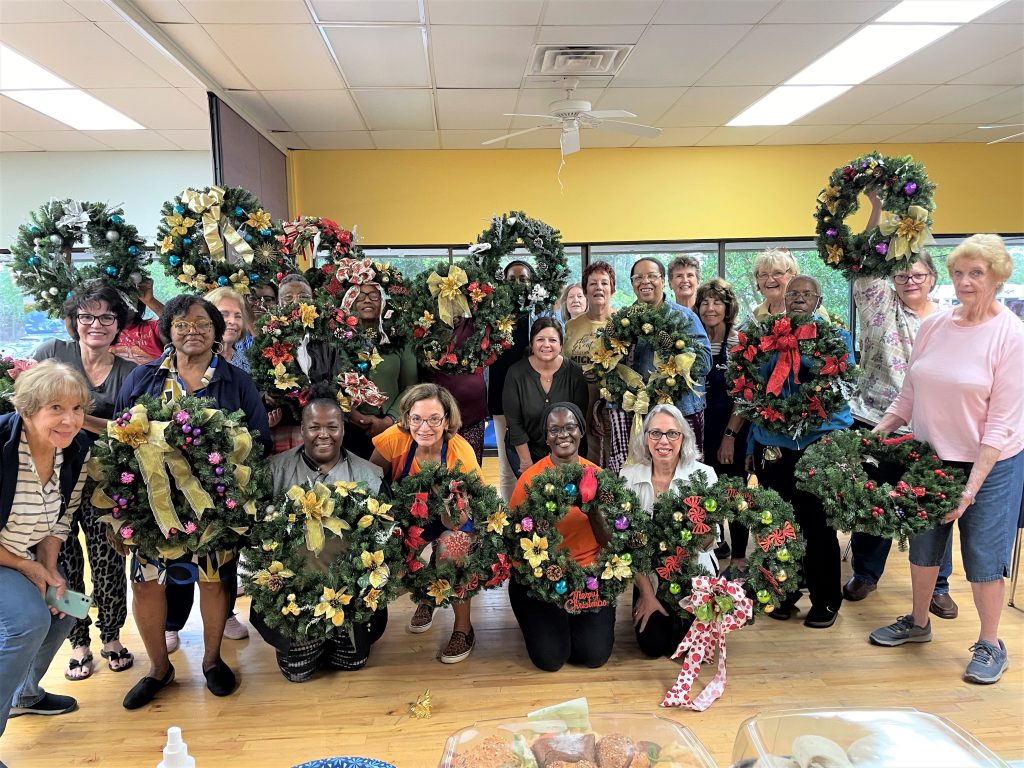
639,453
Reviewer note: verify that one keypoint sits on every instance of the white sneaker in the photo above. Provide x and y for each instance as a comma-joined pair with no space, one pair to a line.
172,641
234,629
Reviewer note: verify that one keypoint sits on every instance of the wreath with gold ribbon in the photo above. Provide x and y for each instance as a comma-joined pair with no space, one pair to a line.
547,569
42,252
343,279
904,229
469,553
177,477
791,373
273,358
194,227
323,557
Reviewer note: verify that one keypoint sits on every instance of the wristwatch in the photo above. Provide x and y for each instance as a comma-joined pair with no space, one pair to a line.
729,433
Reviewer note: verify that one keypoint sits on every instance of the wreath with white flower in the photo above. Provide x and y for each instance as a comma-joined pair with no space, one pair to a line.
178,477
343,278
312,239
547,569
895,243
323,557
273,357
192,249
469,555
42,261
10,369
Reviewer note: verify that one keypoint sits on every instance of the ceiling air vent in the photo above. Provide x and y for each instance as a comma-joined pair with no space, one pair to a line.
577,60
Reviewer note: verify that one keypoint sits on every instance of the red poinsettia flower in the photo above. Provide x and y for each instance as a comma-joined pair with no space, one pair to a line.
770,414
279,352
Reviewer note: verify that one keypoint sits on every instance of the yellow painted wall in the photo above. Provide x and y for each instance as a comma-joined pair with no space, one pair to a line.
679,193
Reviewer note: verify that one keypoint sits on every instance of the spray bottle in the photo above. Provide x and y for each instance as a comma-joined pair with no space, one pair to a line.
176,751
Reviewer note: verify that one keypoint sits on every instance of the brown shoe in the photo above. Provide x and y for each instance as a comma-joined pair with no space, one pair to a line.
855,589
422,618
943,606
460,645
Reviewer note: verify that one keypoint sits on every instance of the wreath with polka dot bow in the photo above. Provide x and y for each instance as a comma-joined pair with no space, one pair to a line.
342,281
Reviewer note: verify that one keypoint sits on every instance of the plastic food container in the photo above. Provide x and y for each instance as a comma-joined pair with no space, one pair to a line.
857,738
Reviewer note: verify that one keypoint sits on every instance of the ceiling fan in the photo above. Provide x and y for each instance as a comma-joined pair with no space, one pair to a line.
571,114
1003,125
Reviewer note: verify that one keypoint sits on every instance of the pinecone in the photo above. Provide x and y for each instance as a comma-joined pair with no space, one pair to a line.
542,526
665,340
607,496
638,540
275,583
553,572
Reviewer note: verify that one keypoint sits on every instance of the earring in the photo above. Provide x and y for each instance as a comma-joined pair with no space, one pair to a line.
218,347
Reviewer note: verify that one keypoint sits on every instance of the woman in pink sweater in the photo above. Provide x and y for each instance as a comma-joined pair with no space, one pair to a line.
963,394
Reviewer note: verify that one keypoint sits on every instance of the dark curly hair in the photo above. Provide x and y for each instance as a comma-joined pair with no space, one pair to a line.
92,293
180,306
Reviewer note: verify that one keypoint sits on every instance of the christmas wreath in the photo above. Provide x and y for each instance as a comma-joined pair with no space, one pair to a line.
906,196
469,553
893,487
178,476
343,279
9,371
42,262
322,558
548,569
273,358
193,252
309,236
811,356
441,301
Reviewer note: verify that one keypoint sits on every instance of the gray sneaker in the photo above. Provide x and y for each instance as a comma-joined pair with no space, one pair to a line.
902,631
988,663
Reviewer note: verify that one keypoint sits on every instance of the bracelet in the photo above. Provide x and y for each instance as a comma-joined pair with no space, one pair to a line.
733,437
968,493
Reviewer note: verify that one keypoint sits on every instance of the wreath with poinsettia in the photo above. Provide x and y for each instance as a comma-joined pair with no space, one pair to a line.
10,369
894,244
323,557
892,487
546,568
179,476
273,358
469,555
309,237
42,261
192,249
790,373
343,278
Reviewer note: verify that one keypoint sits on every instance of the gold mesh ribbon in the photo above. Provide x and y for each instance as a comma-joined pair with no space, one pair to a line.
910,232
207,205
451,301
635,400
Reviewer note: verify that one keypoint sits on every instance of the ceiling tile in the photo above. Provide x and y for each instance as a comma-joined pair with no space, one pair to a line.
677,55
815,12
15,116
46,11
861,103
95,10
279,56
194,140
617,35
712,106
867,134
367,10
135,141
480,57
391,57
997,109
291,139
957,54
60,141
475,108
800,134
585,12
472,139
337,139
677,137
491,13
261,111
193,40
739,136
155,107
396,110
10,144
938,102
713,11
976,135
165,11
316,110
262,12
928,134
1011,12
405,139
197,96
141,48
1008,70
648,104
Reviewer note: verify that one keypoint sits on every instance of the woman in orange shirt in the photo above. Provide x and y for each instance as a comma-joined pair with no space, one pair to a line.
553,635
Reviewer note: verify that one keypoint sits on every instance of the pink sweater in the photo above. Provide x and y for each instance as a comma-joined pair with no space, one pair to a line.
965,386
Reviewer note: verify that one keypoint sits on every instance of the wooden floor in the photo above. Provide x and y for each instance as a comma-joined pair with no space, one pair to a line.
270,722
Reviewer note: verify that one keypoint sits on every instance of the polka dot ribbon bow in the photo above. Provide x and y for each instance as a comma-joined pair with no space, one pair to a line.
719,607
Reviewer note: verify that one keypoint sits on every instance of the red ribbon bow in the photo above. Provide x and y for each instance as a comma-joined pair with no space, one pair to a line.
419,506
743,387
500,571
834,366
414,541
673,564
696,514
778,537
588,485
785,341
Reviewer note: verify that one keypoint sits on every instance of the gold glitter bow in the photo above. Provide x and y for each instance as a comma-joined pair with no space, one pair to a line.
451,302
909,232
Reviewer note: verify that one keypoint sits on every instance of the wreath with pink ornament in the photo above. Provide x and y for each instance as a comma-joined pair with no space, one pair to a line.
178,477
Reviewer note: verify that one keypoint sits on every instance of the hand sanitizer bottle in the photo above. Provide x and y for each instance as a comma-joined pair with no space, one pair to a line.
176,752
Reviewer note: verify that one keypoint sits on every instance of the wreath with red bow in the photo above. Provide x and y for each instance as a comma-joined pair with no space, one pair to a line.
342,281
893,487
791,373
309,238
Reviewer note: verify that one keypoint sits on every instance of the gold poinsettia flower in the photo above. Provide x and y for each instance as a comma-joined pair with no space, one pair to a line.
270,545
370,598
188,272
331,605
179,224
665,367
345,487
134,433
307,314
835,253
317,506
372,357
535,550
426,321
283,379
829,197
376,510
259,219
601,355
618,346
167,244
506,324
477,295
439,589
240,282
292,608
497,522
616,568
374,563
276,568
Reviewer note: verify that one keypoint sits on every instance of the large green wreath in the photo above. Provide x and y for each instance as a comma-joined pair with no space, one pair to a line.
893,487
546,568
309,239
343,278
193,252
178,476
472,559
809,351
906,196
273,358
322,559
42,261
10,369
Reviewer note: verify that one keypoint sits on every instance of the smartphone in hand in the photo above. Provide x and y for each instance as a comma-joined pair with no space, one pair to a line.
72,603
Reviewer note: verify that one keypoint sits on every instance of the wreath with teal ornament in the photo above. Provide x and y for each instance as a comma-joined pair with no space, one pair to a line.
42,252
893,487
810,352
547,569
194,227
179,476
342,280
905,193
322,558
469,555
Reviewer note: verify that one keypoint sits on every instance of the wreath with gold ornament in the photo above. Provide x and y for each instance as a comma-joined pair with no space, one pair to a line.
342,278
192,233
791,373
322,558
547,569
905,193
177,477
273,357
42,252
446,298
463,518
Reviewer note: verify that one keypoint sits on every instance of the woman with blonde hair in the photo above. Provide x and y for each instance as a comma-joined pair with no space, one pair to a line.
773,269
237,325
571,303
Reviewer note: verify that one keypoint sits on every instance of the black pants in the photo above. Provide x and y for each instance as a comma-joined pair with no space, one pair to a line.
554,636
181,596
663,634
822,569
347,652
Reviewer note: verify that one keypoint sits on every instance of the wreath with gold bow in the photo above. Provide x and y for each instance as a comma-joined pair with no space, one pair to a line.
547,569
42,252
177,477
322,558
342,280
309,239
888,486
463,518
684,520
791,373
193,230
906,196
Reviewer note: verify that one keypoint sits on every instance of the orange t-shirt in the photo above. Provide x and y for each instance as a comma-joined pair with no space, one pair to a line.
577,535
394,444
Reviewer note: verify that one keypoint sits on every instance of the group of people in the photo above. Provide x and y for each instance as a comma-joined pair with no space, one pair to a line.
954,376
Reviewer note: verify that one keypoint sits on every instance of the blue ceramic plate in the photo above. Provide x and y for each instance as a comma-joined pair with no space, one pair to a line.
345,762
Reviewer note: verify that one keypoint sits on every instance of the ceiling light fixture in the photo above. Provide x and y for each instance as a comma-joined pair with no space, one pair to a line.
17,72
937,11
786,104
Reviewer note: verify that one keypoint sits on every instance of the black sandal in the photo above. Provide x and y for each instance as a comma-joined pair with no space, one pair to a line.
124,655
73,664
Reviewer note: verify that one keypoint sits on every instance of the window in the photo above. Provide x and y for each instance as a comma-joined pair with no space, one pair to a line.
409,261
622,258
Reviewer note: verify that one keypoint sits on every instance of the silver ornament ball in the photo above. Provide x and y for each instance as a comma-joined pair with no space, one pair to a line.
112,236
53,291
55,239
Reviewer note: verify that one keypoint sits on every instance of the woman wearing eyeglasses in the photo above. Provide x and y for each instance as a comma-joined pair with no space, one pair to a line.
773,269
665,452
95,315
428,432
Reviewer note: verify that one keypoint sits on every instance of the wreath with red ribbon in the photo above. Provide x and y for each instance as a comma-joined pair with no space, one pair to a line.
311,237
343,280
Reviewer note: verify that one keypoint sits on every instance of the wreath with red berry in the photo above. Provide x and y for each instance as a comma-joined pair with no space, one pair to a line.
341,280
314,242
892,487
273,358
791,373
894,244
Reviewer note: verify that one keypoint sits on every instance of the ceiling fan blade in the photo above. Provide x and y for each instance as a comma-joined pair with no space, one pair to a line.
517,133
521,114
570,141
647,131
601,114
1000,125
1006,138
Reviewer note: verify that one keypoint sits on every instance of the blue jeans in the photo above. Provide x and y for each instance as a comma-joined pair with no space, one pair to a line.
30,637
870,553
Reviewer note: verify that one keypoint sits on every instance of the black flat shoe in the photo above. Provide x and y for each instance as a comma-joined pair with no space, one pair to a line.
220,679
146,689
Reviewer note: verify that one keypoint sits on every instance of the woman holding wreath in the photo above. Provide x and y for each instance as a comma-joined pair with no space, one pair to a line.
191,365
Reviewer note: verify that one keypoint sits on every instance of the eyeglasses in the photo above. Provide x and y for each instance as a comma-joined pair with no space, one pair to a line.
568,429
776,275
651,277
262,301
373,296
105,320
199,326
801,295
914,277
656,434
418,421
